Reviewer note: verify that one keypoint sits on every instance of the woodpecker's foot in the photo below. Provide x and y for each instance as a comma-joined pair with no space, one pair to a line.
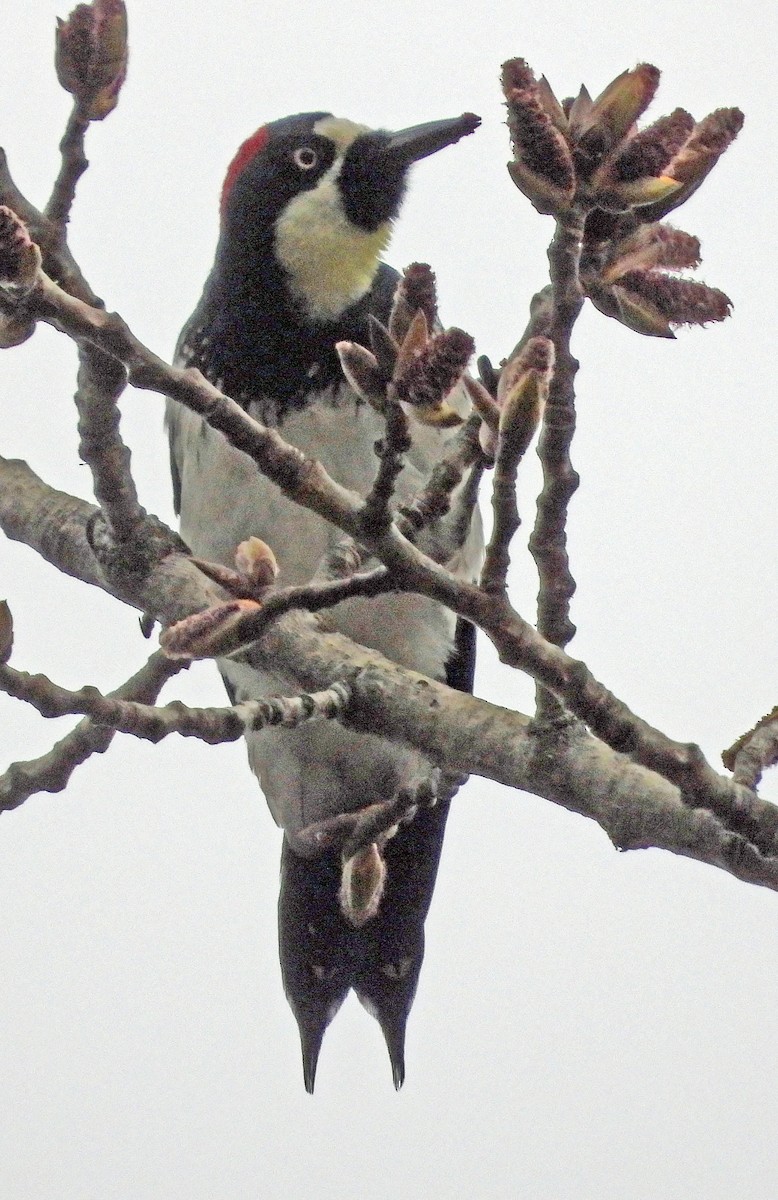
361,837
350,832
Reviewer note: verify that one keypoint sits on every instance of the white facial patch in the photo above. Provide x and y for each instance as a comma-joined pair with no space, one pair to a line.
330,262
340,131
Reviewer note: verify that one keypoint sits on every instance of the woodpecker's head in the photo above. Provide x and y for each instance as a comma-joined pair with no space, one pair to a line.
307,208
315,196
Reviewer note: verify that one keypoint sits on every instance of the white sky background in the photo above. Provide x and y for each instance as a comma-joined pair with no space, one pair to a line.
588,1025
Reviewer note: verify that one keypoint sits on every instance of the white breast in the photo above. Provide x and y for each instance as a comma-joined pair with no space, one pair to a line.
323,769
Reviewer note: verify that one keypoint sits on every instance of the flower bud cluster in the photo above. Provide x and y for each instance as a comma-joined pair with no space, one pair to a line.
91,56
409,361
590,156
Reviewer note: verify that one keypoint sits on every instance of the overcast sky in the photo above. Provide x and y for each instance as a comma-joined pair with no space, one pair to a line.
589,1025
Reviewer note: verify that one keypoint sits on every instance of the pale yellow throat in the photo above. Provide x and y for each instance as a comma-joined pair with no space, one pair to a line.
330,263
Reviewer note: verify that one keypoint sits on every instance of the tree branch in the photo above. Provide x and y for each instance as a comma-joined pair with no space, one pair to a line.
165,591
52,771
548,540
433,502
636,807
376,513
306,482
524,388
101,381
56,526
74,163
57,259
151,723
354,831
752,753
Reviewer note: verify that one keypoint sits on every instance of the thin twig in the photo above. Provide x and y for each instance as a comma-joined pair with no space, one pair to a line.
376,513
151,723
101,381
523,391
754,752
302,479
52,771
339,576
58,262
313,597
74,163
548,541
433,501
494,575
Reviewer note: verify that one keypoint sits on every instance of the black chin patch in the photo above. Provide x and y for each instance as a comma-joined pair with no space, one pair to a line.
372,184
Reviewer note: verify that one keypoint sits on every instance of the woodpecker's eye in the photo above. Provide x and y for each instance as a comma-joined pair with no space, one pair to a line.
305,158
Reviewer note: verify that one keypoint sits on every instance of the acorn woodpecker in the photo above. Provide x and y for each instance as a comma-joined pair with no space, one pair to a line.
306,212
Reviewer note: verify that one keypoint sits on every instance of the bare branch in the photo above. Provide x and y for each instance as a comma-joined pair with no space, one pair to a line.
376,515
52,771
467,735
523,395
303,480
409,799
756,750
636,807
434,500
306,482
548,539
74,163
101,381
497,560
56,525
39,516
57,259
354,831
212,725
228,627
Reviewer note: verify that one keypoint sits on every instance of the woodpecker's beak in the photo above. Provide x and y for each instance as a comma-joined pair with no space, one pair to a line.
409,145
